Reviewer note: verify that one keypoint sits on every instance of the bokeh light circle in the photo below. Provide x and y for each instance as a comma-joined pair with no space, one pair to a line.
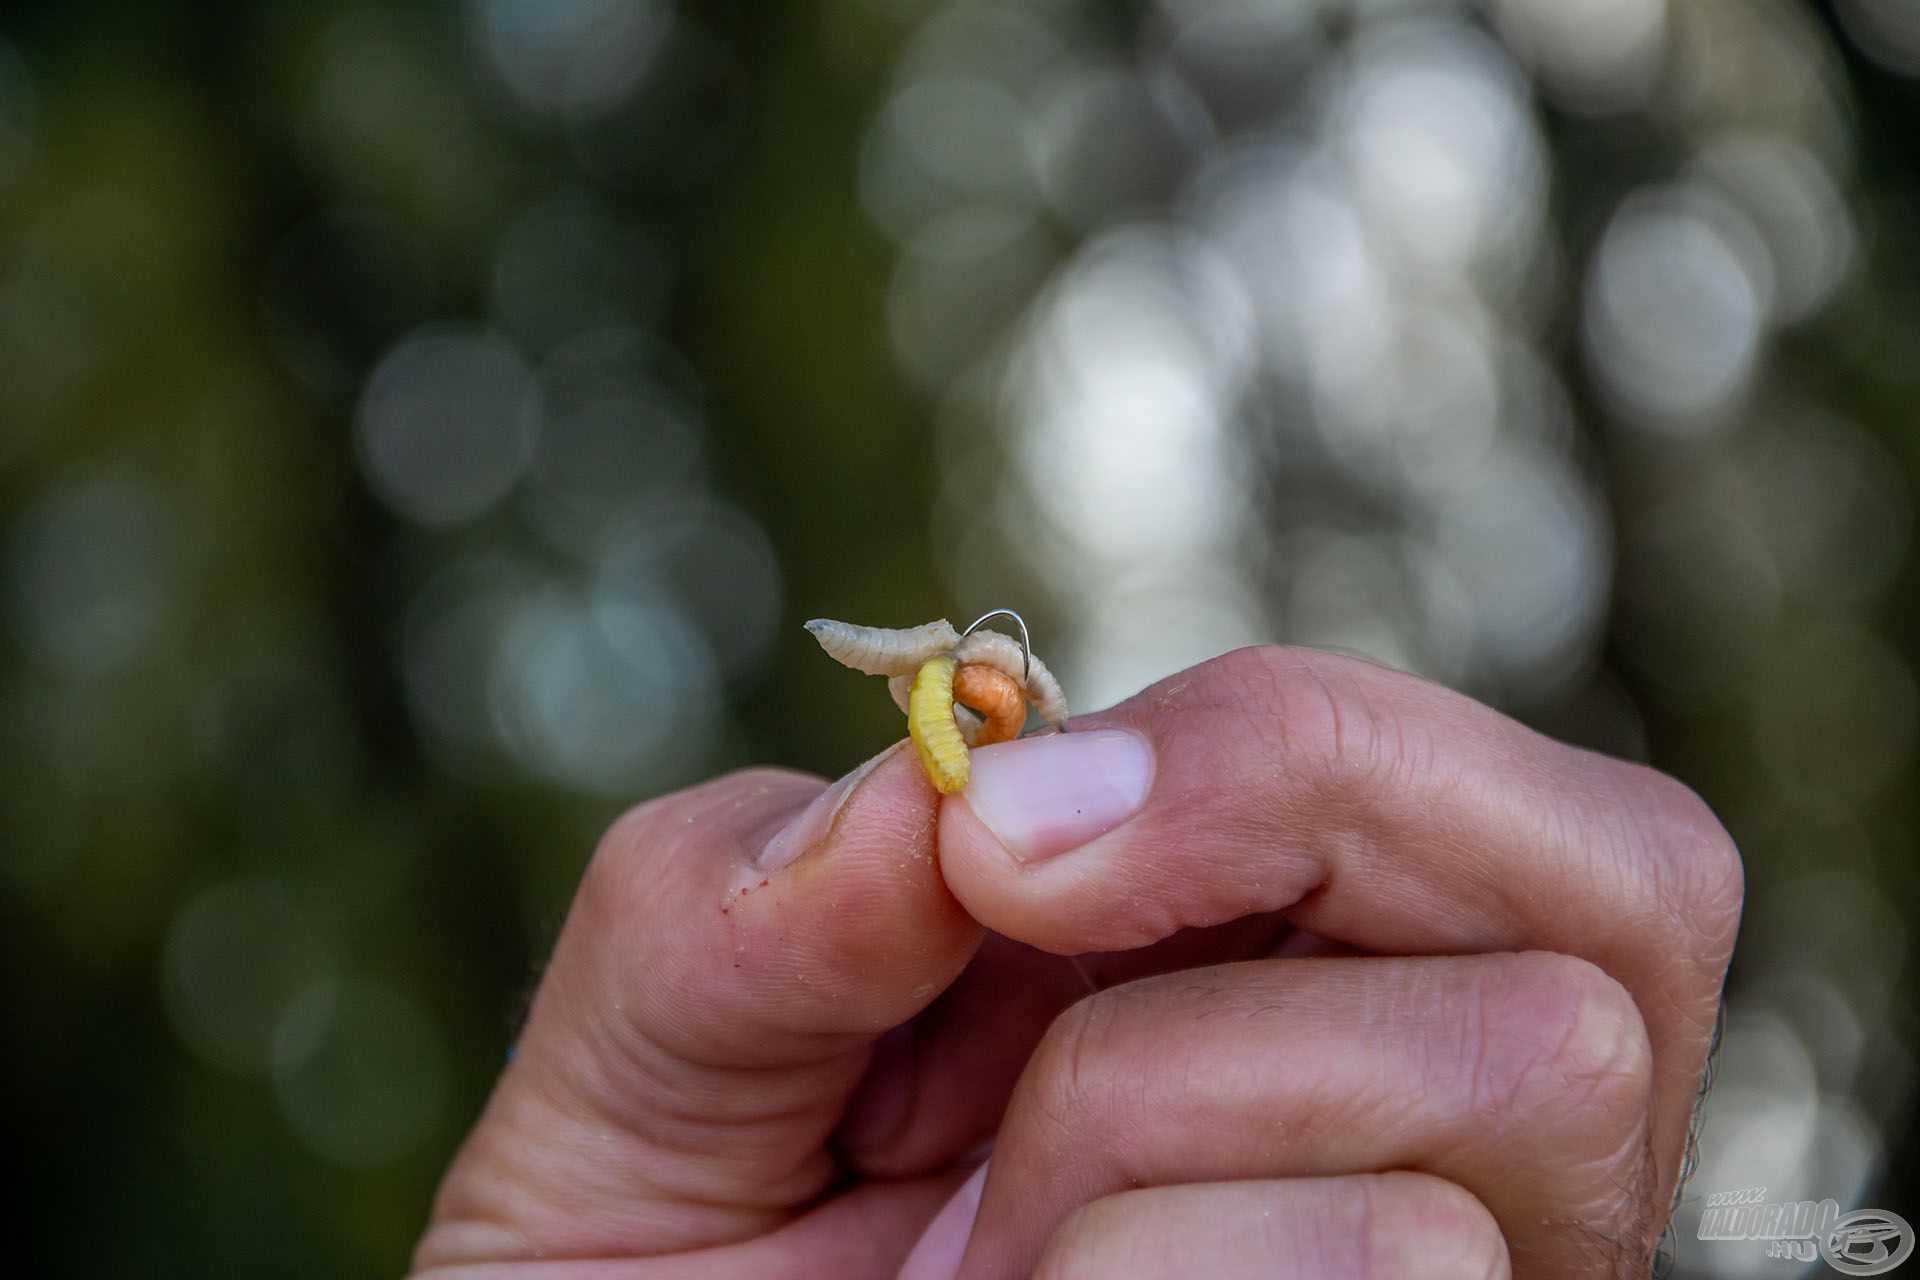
236,959
447,424
573,59
1673,315
361,1073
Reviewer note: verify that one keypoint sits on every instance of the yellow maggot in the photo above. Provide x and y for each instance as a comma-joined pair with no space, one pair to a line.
943,753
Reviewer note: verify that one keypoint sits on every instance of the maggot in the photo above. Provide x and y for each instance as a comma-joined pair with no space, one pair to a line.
930,724
1002,654
958,689
1005,655
901,687
884,651
996,696
988,705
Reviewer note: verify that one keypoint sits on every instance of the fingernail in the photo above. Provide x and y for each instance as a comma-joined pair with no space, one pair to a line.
814,821
937,1254
1042,796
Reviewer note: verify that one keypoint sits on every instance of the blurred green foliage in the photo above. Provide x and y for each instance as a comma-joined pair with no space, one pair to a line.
236,714
267,936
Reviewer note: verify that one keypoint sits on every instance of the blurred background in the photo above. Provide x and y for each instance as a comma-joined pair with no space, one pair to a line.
424,427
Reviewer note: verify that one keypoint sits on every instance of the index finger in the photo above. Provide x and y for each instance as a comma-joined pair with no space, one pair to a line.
1369,807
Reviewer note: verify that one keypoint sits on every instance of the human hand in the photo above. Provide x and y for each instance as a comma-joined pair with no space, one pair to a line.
1459,984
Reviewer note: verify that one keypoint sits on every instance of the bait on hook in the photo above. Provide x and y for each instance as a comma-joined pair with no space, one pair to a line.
959,689
1026,641
930,724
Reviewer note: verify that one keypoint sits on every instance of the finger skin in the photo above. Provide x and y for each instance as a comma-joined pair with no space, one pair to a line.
939,1085
1522,1078
860,1235
1394,816
1386,1226
703,1022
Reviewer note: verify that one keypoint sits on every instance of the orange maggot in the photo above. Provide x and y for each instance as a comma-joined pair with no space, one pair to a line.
996,696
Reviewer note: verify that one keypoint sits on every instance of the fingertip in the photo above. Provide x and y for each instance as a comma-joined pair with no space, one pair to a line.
1011,845
848,898
885,804
810,825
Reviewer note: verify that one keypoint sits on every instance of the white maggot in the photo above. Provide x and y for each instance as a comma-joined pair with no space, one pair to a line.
884,651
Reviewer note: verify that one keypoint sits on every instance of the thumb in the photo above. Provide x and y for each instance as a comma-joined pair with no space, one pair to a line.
730,957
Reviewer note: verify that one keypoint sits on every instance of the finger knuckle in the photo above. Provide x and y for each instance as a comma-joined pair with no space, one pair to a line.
1322,713
1559,1033
1701,873
1071,1084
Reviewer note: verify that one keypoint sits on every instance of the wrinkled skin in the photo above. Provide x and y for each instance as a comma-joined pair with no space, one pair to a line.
1390,986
